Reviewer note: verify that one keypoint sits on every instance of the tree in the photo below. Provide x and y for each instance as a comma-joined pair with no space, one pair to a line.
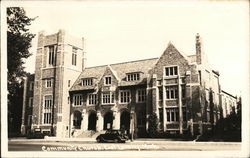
18,43
153,125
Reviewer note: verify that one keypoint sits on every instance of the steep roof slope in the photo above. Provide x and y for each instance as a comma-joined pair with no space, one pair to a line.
121,69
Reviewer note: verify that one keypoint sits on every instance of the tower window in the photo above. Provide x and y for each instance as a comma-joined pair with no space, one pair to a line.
31,86
51,55
47,118
48,83
48,102
29,120
74,56
31,102
68,83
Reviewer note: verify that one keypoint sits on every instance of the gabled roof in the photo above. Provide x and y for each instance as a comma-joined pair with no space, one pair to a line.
172,47
119,69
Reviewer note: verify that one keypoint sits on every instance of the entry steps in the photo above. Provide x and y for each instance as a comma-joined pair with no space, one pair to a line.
88,134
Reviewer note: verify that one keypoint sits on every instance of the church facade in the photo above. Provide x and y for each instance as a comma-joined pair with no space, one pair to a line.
67,99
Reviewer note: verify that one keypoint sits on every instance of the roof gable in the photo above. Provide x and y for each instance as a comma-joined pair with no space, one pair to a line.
170,57
171,49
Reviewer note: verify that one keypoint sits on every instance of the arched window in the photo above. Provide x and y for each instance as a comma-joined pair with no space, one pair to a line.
108,120
77,118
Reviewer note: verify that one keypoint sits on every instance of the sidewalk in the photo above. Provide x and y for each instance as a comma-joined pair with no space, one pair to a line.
54,139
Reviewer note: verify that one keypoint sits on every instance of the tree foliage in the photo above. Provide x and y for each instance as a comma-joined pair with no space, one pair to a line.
18,43
153,125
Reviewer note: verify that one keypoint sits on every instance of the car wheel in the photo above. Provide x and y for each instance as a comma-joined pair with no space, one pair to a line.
116,140
98,140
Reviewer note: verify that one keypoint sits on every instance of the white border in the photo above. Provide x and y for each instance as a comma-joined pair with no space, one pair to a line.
244,152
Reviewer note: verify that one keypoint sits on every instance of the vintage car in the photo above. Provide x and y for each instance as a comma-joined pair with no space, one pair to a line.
116,136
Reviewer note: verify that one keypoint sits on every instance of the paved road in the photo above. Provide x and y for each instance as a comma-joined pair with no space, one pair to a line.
148,145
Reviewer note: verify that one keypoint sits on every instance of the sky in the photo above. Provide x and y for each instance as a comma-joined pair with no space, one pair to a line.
125,31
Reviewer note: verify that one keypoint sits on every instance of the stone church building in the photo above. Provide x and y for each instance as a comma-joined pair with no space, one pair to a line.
67,99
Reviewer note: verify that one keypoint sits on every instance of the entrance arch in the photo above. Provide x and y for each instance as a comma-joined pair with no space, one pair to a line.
108,121
92,121
77,118
125,121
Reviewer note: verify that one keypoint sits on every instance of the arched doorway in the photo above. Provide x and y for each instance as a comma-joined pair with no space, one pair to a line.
92,121
125,121
77,119
108,121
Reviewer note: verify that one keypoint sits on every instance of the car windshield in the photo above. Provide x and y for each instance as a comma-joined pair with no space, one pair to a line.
112,132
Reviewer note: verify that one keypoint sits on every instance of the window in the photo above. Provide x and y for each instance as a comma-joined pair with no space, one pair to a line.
51,55
184,115
141,95
171,92
30,101
68,100
31,86
160,93
125,96
107,80
29,120
74,56
47,117
77,100
171,71
183,91
87,82
108,97
133,77
48,83
161,115
200,77
68,83
92,99
172,115
48,102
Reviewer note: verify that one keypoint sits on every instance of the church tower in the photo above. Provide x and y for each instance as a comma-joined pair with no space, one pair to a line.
59,61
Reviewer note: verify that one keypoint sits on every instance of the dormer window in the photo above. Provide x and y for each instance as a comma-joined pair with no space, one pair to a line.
171,71
87,82
133,77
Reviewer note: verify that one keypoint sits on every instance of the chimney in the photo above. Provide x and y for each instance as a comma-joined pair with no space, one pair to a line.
199,53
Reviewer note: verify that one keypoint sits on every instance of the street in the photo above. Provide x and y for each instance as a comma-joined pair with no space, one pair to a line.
136,145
